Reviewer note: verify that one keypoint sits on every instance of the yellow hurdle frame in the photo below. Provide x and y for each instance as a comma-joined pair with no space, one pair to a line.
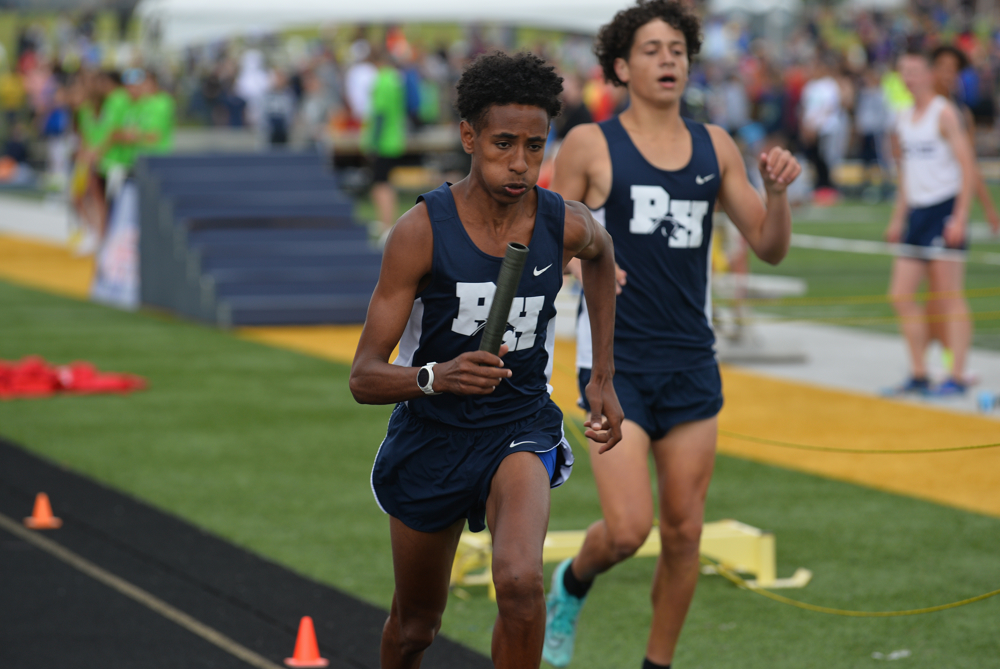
737,546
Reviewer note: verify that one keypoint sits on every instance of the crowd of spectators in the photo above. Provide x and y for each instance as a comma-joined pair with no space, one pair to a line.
831,90
827,89
73,122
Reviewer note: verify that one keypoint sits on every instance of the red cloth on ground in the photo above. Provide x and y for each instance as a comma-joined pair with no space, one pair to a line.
34,377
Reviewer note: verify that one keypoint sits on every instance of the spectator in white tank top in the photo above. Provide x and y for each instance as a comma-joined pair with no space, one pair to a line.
930,217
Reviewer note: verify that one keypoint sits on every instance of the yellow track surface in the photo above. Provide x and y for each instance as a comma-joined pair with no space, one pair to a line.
756,405
761,406
795,412
38,265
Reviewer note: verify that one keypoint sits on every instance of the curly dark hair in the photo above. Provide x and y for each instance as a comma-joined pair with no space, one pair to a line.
502,79
949,50
615,39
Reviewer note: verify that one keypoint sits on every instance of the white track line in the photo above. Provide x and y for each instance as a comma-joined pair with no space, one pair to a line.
138,594
884,249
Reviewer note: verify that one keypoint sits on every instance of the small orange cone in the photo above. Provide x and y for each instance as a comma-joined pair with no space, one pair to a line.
41,518
306,648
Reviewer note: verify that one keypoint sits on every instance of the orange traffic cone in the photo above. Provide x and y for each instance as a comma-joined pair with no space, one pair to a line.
306,649
41,518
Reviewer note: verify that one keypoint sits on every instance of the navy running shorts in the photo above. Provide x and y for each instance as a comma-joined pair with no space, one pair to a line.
430,475
925,229
660,401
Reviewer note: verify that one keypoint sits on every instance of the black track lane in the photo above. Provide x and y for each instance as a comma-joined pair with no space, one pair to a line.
53,615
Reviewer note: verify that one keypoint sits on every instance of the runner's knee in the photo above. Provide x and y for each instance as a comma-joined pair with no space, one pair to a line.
520,587
416,631
627,539
956,306
901,298
680,535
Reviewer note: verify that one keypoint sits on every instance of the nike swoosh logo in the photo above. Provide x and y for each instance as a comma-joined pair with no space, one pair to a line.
537,271
518,443
700,180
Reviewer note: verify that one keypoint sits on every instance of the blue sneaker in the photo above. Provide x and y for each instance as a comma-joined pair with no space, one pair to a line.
950,388
912,386
563,609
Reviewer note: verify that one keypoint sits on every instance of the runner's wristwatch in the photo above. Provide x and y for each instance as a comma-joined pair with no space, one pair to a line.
425,379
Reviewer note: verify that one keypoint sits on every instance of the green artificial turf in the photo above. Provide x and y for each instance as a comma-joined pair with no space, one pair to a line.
267,449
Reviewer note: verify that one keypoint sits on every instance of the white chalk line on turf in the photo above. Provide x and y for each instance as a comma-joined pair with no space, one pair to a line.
136,593
870,247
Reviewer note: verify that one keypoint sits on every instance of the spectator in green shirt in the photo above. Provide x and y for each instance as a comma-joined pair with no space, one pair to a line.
383,136
116,113
146,127
156,119
102,103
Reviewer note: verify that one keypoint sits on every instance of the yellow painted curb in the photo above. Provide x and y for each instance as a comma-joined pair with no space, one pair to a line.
48,267
789,411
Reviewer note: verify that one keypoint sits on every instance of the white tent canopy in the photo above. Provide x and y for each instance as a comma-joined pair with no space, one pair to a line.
188,21
192,21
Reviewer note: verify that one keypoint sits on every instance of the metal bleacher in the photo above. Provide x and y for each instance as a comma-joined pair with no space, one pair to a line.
251,239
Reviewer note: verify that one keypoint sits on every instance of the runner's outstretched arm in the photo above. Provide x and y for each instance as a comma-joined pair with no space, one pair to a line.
592,244
767,228
951,130
406,267
982,192
985,199
897,220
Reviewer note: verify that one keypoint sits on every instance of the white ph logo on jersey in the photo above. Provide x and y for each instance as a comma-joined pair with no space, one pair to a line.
474,300
701,181
681,221
538,272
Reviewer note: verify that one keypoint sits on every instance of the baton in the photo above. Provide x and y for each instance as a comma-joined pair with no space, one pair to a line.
507,283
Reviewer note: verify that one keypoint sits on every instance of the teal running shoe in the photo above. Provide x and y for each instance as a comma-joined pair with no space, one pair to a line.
562,611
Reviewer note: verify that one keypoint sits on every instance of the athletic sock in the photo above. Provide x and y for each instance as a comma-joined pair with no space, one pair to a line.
573,585
647,664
